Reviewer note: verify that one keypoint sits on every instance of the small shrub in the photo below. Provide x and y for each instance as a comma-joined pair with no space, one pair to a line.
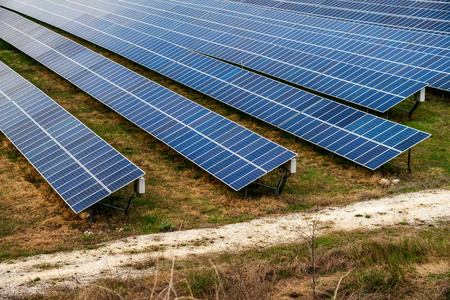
165,226
87,236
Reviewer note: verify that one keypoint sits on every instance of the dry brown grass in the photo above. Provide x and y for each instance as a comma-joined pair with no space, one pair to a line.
371,261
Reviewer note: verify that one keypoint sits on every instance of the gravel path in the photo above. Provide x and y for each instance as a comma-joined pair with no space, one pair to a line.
84,266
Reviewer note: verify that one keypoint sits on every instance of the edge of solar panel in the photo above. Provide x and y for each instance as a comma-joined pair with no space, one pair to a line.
42,94
425,135
291,154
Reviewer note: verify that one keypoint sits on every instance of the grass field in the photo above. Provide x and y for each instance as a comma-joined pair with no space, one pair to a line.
33,219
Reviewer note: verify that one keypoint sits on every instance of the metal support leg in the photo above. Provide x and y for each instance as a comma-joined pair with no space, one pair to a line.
128,205
419,97
280,184
413,108
408,167
246,192
409,160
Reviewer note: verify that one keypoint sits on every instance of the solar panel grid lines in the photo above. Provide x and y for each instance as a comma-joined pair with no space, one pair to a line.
192,71
326,80
432,5
195,133
431,44
52,141
359,91
414,65
396,9
404,17
380,35
284,19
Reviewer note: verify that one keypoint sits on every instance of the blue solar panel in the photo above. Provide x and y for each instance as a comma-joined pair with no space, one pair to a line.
195,132
81,167
273,102
313,61
413,60
233,38
411,15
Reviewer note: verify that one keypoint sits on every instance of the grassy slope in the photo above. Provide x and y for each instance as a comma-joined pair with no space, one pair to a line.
180,193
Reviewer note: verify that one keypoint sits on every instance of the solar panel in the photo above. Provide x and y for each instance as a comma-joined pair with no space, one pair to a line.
326,123
80,166
228,151
369,88
257,44
422,16
429,64
399,38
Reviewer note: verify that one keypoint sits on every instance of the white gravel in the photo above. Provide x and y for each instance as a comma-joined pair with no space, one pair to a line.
83,266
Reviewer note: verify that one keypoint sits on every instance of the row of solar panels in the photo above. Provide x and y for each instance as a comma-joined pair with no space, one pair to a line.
360,137
367,64
357,136
79,165
373,89
417,15
374,76
404,39
66,153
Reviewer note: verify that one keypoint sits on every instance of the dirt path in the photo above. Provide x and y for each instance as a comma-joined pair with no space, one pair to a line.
111,260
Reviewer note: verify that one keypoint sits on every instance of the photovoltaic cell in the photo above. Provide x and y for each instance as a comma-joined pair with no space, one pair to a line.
278,104
197,133
81,167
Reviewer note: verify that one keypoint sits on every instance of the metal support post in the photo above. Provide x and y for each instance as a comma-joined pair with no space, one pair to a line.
419,97
280,183
409,160
413,108
127,207
408,167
